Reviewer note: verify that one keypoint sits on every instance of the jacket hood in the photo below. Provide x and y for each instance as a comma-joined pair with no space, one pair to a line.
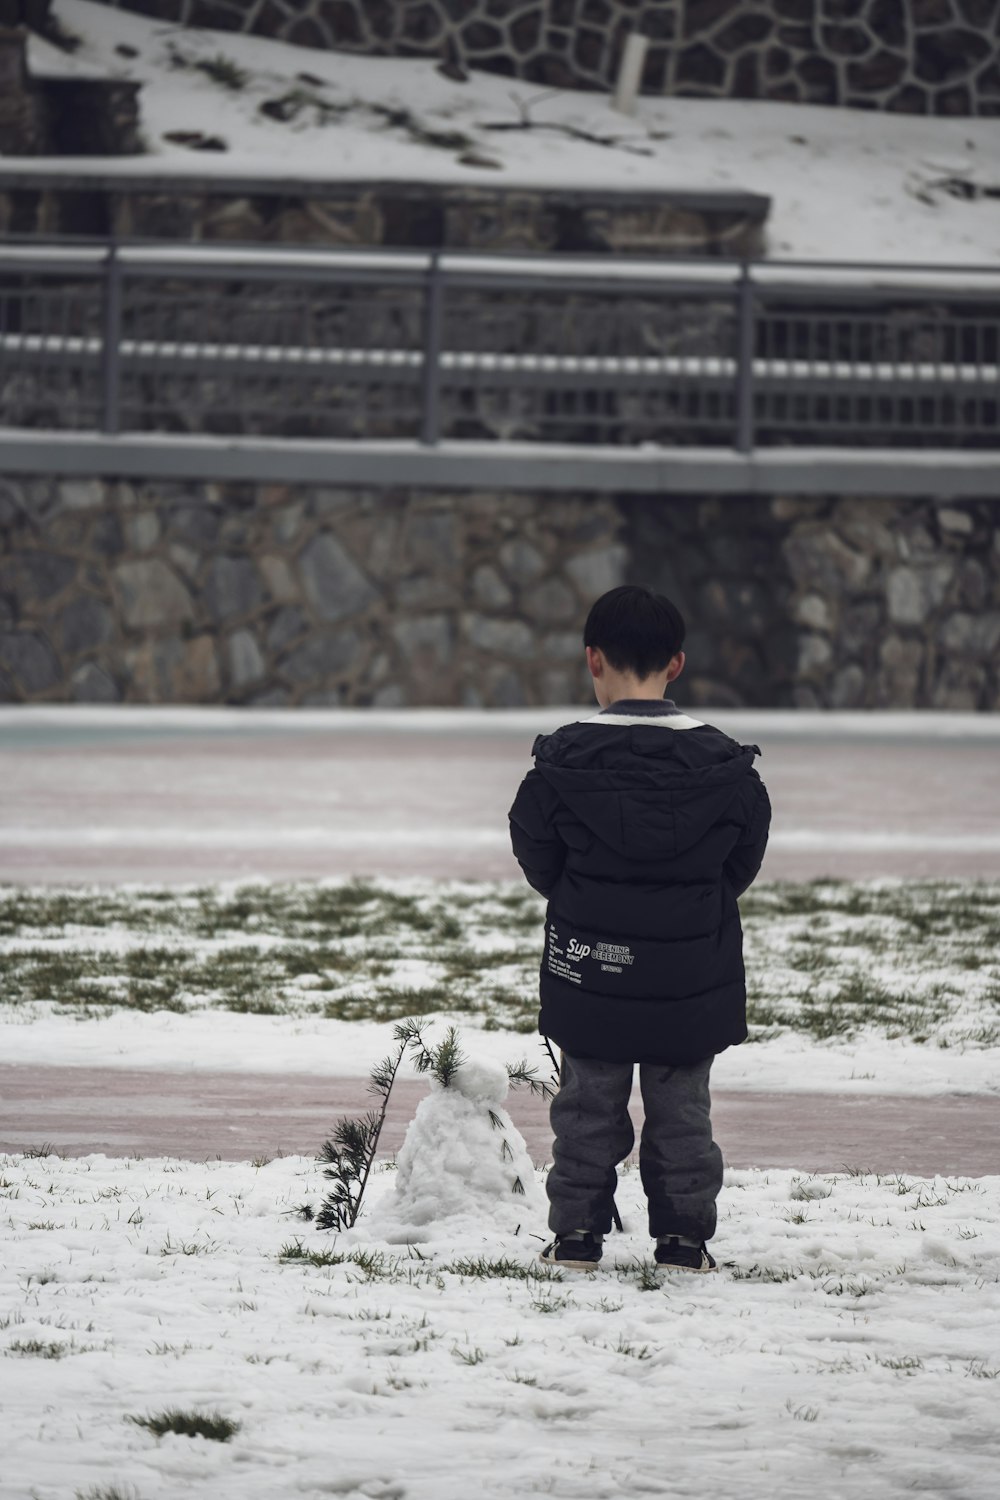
645,787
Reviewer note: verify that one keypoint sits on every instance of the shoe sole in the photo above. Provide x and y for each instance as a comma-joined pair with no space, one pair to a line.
569,1265
691,1270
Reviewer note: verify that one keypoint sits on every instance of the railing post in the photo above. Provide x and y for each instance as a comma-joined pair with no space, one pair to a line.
744,362
111,346
430,424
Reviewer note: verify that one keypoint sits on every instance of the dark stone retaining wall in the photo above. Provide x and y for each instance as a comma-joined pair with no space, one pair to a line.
851,602
159,592
911,56
55,116
385,215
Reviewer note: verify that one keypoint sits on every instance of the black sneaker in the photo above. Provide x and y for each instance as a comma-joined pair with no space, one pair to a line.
671,1255
579,1251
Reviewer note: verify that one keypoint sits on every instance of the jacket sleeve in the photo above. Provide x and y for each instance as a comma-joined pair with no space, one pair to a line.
746,857
537,846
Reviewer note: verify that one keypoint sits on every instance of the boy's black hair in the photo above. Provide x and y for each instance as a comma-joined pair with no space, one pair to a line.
638,631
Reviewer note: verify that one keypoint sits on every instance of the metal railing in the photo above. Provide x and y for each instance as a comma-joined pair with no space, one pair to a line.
580,350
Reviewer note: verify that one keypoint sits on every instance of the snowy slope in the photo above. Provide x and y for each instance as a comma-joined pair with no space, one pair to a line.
845,184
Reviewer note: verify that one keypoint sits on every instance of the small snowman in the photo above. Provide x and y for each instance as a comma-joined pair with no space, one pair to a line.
463,1163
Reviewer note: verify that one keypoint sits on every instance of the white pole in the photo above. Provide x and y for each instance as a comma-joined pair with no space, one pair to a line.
630,72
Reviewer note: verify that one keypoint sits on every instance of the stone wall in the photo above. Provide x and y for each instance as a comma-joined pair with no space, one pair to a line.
912,56
22,116
246,594
388,215
61,116
860,602
266,594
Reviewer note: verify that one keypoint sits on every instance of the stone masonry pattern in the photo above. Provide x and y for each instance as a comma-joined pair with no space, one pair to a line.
272,594
911,56
388,215
850,602
267,595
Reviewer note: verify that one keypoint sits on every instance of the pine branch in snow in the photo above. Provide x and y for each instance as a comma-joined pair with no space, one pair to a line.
448,1058
553,1060
408,1030
442,1061
521,1074
350,1153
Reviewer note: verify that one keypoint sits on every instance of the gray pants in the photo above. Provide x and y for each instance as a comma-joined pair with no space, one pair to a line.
679,1163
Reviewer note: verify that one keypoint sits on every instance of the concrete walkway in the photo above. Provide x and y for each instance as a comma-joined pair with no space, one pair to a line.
239,1116
128,793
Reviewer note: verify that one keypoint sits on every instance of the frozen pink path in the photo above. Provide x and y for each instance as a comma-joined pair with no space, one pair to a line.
239,1116
160,794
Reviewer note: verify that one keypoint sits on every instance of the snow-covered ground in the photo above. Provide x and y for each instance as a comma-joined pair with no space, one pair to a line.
218,1041
846,184
868,987
849,1345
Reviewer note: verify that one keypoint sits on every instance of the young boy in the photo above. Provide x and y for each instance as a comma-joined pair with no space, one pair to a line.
641,826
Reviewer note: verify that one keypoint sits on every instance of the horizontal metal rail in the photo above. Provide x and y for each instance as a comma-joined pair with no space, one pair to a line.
147,338
535,467
236,261
618,369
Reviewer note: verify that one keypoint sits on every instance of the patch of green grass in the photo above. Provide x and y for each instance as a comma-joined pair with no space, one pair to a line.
633,1351
375,1264
211,1425
647,1277
465,963
295,1250
354,930
187,1247
224,71
848,1287
22,911
38,1348
826,959
107,1492
904,1364
808,957
548,1302
296,959
143,979
389,1003
505,1268
469,1356
763,1273
254,1005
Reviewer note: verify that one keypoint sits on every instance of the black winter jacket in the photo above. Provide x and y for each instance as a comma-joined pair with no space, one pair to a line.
642,826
